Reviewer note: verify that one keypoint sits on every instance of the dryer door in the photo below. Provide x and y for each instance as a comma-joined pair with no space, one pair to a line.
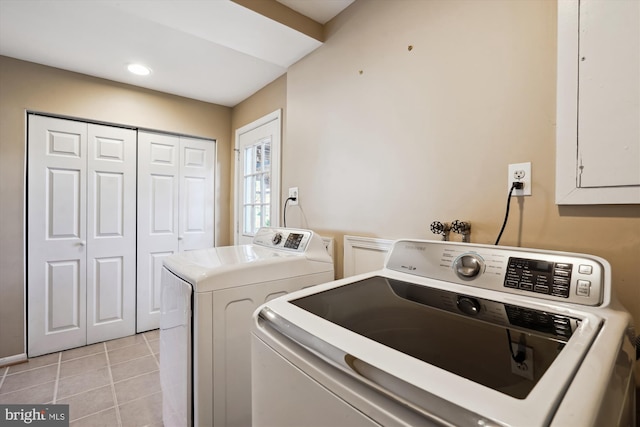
175,347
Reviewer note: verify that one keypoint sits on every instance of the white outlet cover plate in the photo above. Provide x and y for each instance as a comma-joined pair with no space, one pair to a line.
526,180
293,192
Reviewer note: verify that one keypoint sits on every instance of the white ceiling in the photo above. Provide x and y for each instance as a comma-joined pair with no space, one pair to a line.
319,10
211,50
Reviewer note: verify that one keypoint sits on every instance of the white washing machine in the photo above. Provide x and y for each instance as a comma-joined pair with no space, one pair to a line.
449,334
208,298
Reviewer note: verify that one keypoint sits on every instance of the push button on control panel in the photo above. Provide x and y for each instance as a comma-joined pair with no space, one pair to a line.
583,288
539,276
585,269
293,241
561,279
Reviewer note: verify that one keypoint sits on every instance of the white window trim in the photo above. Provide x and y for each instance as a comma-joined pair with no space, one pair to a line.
275,170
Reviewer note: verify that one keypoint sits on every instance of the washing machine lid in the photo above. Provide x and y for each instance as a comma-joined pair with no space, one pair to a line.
374,333
230,266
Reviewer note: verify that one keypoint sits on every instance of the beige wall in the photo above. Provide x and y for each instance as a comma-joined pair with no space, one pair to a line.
418,136
267,100
270,98
26,86
383,140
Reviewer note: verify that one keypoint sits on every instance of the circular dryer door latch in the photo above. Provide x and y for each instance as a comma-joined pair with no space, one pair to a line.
468,266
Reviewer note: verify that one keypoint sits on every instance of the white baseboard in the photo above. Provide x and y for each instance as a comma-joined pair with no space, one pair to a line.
12,360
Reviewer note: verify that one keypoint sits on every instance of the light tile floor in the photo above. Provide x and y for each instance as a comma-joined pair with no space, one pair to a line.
114,383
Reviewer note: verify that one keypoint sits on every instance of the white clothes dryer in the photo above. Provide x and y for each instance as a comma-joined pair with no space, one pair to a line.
208,297
449,334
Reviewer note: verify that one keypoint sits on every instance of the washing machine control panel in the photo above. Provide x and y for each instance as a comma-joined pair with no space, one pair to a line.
544,277
560,276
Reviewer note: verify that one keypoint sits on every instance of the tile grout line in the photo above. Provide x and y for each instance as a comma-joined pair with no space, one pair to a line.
55,386
113,387
128,360
114,382
69,396
30,369
90,415
6,371
151,350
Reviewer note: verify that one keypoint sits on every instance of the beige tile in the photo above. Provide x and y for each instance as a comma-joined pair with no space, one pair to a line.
155,346
101,419
80,383
125,342
152,335
120,355
89,402
146,411
22,380
133,368
82,351
38,394
35,362
137,387
82,365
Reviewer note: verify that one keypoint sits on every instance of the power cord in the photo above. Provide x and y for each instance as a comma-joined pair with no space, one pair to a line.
521,354
284,211
516,185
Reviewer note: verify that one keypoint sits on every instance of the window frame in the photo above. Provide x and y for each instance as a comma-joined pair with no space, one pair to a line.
275,119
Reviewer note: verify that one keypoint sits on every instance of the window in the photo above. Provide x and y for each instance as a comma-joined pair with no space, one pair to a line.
257,186
257,177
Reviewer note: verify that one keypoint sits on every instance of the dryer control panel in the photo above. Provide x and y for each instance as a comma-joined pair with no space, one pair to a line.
561,276
283,238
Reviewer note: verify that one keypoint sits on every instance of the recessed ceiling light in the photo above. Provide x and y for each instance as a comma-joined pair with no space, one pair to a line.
139,69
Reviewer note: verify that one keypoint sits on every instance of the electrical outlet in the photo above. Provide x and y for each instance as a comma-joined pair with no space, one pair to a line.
520,172
524,369
293,192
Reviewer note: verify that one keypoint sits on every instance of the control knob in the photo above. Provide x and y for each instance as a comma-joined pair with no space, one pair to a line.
277,238
468,266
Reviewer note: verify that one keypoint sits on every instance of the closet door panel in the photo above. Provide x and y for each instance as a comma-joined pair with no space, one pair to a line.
111,243
56,234
158,185
196,193
162,220
63,291
109,286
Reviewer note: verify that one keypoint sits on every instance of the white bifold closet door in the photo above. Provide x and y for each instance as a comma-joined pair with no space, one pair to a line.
175,210
81,227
